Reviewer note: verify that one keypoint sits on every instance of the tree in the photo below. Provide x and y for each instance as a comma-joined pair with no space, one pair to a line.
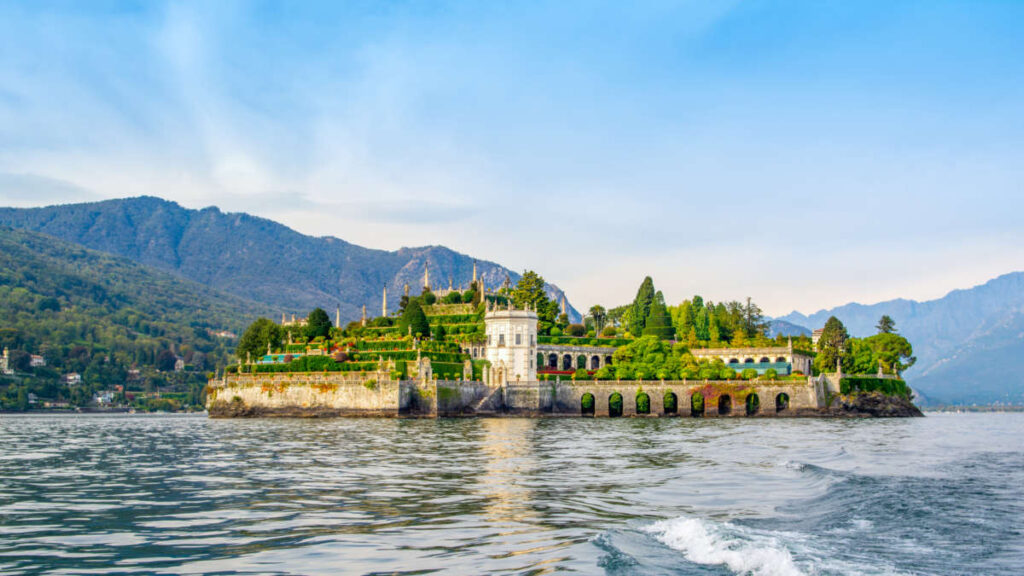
832,346
641,307
414,319
529,291
318,324
598,314
575,330
428,297
453,298
166,360
892,351
886,325
439,332
658,323
257,336
753,320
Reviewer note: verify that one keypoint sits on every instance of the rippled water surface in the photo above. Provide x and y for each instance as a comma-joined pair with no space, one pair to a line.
185,494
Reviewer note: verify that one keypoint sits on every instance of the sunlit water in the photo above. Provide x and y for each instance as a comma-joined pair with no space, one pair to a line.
177,494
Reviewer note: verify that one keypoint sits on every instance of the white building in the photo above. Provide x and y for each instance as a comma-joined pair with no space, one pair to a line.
511,345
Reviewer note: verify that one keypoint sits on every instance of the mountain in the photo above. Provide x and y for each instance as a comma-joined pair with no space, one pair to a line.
952,337
776,327
255,258
100,315
988,366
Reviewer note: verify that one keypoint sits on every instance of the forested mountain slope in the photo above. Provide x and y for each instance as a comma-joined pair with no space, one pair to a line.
252,257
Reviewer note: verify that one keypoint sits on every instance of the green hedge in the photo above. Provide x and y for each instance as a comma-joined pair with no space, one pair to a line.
453,319
572,341
886,386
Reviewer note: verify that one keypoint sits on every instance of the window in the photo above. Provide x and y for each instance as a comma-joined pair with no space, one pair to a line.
533,340
519,339
501,339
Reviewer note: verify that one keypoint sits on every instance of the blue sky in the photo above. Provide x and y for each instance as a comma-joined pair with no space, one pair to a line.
803,153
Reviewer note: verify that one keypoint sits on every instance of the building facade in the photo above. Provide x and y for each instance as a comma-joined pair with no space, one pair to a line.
511,345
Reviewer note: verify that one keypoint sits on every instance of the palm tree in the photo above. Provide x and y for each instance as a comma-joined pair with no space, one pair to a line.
598,313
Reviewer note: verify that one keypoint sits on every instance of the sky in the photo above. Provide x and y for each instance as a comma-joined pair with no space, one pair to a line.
806,154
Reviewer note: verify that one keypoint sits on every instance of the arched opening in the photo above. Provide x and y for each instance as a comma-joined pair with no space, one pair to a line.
615,405
724,405
765,360
607,360
781,359
748,360
753,404
781,402
581,362
587,404
643,403
595,362
567,362
697,404
733,361
671,402
553,361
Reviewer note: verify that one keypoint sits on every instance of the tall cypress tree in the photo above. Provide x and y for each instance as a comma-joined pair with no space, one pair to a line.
413,318
641,308
658,322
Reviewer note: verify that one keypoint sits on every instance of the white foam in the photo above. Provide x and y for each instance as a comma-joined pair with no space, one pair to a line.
740,550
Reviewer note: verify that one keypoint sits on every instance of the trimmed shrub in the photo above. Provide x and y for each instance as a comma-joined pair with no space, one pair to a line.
556,331
771,373
453,298
581,374
749,374
643,403
727,374
575,330
608,332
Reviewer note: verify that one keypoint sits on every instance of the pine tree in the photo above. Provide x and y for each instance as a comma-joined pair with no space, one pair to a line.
886,325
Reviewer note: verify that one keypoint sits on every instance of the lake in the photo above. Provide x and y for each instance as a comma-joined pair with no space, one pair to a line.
129,494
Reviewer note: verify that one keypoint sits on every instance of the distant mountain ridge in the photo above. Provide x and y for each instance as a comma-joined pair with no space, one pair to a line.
256,258
953,338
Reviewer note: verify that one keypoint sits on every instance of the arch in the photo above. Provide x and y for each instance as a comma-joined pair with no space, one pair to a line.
581,362
607,360
643,403
753,403
587,404
567,362
552,360
781,360
765,360
615,405
595,362
724,405
748,360
734,361
697,404
781,402
670,402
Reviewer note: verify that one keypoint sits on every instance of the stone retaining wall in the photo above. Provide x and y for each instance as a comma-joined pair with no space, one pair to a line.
376,394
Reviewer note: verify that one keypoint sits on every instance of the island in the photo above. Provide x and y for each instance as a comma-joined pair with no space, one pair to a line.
512,351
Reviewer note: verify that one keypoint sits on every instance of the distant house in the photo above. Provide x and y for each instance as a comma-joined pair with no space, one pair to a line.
32,398
36,361
71,378
5,363
134,374
815,336
104,398
225,334
179,364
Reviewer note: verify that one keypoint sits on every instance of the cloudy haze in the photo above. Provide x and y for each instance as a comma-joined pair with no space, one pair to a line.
805,154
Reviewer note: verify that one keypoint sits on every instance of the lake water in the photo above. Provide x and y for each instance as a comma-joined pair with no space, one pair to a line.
185,494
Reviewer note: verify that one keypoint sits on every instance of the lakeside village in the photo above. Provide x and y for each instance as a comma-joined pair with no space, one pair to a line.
513,351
